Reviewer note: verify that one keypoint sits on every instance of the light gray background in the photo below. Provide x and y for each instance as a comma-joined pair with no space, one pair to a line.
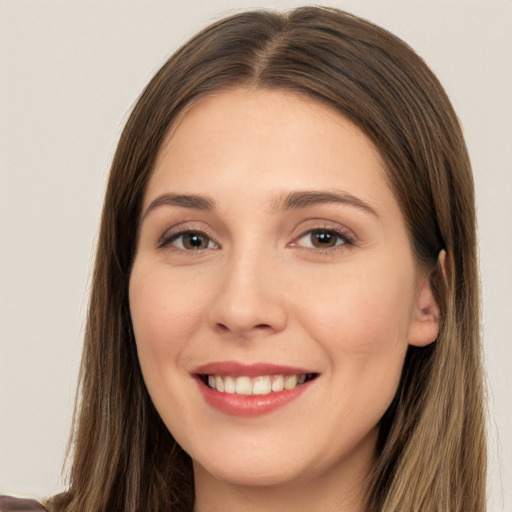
69,72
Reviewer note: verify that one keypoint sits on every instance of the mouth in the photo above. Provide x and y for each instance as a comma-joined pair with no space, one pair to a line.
258,385
250,390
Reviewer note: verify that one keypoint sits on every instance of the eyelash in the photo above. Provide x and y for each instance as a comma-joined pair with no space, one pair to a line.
343,239
171,236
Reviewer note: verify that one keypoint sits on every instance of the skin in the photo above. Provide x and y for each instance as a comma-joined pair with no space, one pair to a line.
261,291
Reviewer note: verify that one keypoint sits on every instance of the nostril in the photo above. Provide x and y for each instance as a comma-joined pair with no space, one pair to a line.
222,327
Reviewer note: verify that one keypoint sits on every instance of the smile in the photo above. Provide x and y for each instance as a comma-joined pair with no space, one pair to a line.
259,385
249,390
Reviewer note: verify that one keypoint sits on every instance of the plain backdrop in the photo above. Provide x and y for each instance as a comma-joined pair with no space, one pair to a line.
70,72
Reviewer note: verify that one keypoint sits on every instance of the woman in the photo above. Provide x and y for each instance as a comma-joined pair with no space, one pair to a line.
284,311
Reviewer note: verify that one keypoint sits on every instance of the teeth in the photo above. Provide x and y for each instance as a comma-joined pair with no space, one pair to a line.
219,383
290,382
262,385
229,385
243,386
278,384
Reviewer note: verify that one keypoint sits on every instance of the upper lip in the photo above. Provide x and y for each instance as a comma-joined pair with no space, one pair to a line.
236,369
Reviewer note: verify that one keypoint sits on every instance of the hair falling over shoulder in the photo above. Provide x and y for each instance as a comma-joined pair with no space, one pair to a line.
431,451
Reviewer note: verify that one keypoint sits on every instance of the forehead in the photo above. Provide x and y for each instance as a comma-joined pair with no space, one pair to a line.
268,140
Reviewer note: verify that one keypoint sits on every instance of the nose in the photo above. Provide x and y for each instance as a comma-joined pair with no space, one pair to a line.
250,298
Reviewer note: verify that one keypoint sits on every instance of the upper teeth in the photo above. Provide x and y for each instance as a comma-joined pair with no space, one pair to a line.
255,385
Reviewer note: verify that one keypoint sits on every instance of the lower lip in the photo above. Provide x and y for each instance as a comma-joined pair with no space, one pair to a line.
248,406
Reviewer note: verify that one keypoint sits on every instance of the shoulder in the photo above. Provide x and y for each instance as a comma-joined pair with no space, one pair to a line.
13,504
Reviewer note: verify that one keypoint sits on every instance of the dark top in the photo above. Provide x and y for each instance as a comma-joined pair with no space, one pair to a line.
12,504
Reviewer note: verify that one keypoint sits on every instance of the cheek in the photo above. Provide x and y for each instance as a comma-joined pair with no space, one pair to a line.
362,325
364,310
164,316
362,321
164,319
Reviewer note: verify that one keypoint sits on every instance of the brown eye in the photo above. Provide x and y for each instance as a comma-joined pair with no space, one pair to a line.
195,241
322,239
190,241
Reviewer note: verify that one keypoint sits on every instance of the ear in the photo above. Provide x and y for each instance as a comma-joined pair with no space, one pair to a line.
426,319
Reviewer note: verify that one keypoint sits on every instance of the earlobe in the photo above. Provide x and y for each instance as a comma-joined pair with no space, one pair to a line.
426,320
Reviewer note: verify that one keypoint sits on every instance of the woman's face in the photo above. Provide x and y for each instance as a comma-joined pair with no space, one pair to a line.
274,292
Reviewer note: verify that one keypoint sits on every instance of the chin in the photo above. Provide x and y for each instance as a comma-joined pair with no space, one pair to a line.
250,474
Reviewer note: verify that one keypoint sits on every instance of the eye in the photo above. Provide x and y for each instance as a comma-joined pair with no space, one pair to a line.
322,239
188,241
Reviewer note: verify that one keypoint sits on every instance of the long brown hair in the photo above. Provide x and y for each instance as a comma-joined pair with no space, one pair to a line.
431,451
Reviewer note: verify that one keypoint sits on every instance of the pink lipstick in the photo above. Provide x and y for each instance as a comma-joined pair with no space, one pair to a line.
249,390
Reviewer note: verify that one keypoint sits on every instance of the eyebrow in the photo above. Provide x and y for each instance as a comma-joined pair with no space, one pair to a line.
183,201
304,199
292,201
